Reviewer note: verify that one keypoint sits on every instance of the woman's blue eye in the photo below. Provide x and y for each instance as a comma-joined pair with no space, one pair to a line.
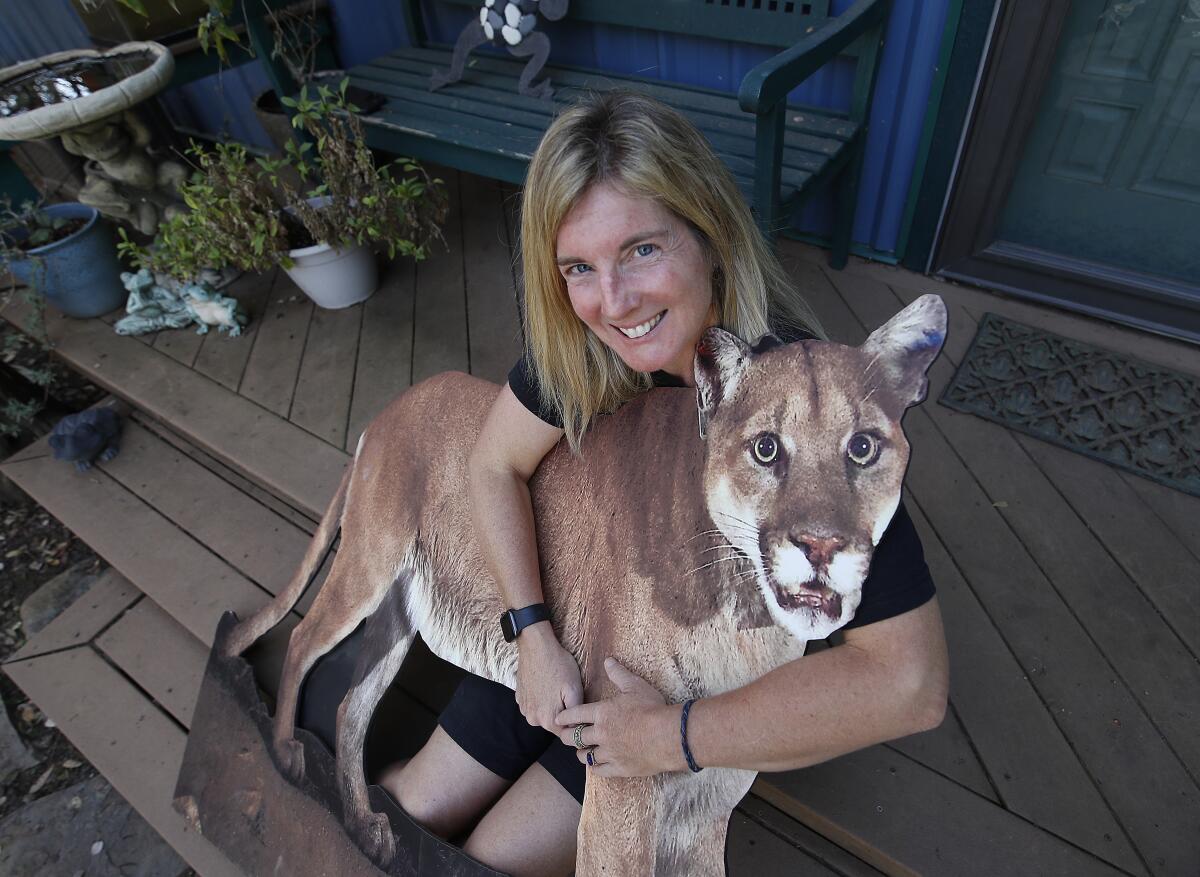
644,249
582,268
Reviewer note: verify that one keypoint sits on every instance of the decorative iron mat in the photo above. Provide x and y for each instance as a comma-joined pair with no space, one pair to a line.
1131,414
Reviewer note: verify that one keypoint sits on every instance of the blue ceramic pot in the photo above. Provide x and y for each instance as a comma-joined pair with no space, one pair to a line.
80,274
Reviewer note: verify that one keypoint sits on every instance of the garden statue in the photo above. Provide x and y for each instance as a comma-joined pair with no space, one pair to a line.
160,302
89,98
87,437
508,23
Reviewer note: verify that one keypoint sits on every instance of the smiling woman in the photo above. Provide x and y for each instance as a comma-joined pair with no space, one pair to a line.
635,241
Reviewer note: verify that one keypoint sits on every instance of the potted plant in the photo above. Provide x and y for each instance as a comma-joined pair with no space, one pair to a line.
63,254
319,210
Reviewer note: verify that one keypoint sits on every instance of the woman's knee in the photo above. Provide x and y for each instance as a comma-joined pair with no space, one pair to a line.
531,830
442,787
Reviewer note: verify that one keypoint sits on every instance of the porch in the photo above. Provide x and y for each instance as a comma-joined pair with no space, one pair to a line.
1069,589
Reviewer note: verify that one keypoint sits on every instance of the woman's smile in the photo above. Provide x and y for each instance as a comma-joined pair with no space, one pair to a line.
642,329
638,277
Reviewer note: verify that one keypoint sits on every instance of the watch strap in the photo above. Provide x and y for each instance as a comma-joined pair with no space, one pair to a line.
513,621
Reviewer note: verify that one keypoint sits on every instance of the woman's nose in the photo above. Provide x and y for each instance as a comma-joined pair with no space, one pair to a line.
616,298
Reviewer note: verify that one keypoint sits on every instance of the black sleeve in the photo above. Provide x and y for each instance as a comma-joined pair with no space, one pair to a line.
899,579
524,384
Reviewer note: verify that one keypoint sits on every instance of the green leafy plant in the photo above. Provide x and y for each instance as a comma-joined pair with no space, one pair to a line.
250,211
234,219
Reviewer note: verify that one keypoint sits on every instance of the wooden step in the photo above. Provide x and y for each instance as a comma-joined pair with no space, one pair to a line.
264,447
119,726
191,541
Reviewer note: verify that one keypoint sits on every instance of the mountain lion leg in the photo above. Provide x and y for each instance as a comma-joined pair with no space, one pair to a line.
345,599
386,641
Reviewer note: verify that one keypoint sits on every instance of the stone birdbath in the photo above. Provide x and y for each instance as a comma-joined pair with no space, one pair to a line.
87,98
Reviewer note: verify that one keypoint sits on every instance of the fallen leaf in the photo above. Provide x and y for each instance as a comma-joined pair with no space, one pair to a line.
97,847
41,781
1000,505
50,723
75,803
71,764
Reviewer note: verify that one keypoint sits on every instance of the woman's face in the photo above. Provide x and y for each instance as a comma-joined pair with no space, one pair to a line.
637,277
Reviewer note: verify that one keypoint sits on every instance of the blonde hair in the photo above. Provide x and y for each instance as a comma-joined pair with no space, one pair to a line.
648,150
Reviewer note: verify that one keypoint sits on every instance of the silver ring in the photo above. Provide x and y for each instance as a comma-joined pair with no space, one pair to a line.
579,744
591,761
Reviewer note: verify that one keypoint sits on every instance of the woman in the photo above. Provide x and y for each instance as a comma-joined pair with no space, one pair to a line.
636,239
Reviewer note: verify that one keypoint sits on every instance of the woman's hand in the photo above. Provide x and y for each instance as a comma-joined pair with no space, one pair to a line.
635,733
548,679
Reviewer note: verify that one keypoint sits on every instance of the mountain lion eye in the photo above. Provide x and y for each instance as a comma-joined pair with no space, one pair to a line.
862,449
766,449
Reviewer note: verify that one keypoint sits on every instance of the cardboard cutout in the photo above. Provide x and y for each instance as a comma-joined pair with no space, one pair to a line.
700,564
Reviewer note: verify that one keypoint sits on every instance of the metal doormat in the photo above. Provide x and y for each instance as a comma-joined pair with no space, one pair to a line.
1130,414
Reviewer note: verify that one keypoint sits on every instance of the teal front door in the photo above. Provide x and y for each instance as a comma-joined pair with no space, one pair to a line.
1110,173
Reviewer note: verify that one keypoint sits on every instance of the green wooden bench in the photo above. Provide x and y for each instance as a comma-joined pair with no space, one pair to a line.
779,153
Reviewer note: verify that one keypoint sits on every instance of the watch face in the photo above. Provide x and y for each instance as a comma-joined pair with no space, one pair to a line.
506,626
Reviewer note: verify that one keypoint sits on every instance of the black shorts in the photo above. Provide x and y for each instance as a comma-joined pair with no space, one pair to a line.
482,717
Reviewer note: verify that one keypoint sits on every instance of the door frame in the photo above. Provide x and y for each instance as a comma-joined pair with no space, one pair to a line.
1018,67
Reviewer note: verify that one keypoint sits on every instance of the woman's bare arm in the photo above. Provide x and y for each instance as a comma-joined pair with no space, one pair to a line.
887,680
510,446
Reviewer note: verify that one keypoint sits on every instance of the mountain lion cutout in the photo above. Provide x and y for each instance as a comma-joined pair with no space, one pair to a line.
700,563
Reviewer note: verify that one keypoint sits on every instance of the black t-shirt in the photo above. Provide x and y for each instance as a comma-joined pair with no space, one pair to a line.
899,578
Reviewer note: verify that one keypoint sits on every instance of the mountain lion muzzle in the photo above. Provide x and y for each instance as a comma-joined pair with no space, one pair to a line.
700,564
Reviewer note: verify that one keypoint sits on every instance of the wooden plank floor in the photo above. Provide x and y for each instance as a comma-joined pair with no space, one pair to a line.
1071,591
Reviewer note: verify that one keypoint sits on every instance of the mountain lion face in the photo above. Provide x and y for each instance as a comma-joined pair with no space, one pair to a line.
806,456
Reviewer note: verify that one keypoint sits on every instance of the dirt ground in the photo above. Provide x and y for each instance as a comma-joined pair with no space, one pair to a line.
34,548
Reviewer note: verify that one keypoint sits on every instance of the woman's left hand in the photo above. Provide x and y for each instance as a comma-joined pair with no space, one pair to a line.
628,735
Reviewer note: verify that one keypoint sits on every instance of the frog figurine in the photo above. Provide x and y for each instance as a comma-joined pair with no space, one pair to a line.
86,437
512,24
210,308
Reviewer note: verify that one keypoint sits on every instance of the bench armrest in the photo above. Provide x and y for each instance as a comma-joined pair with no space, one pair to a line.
770,81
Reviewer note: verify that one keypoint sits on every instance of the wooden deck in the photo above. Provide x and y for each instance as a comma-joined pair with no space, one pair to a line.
1071,591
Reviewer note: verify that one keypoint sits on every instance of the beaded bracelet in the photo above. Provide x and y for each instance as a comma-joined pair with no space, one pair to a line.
687,753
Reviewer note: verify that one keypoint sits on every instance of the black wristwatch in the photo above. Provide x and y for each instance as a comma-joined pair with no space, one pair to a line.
514,621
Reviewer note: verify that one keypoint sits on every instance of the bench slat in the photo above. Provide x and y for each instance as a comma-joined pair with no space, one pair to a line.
486,102
818,122
493,82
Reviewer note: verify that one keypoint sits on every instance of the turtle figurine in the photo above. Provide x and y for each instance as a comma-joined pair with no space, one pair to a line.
511,24
86,437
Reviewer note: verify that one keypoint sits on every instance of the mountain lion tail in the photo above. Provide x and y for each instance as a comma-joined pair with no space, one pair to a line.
247,632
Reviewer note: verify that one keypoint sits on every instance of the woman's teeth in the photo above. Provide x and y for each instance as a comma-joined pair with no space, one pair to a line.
639,331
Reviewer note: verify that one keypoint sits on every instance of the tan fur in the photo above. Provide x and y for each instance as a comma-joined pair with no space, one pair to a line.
674,564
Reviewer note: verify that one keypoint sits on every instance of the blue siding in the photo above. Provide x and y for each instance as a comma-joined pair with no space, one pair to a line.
366,29
29,28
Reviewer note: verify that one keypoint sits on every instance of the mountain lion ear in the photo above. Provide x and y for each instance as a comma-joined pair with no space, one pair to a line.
905,346
720,360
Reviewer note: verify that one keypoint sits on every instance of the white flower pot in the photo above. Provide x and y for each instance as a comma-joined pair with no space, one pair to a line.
334,278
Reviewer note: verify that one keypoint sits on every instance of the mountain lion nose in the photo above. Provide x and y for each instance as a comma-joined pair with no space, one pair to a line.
818,549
